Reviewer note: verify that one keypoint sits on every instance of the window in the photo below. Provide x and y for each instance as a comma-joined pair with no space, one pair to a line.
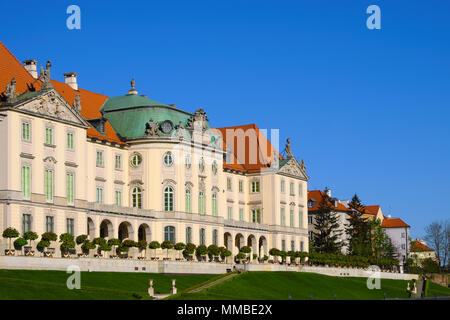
118,162
291,188
282,221
214,168
136,197
49,224
255,186
26,181
70,140
201,165
188,235
283,245
403,247
214,204
168,198
99,159
136,160
241,214
26,131
300,218
26,223
188,200
70,226
201,202
49,136
118,198
70,188
403,235
187,161
301,246
256,216
241,186
310,233
214,237
230,213
202,236
99,195
300,190
229,184
292,245
291,218
48,185
169,234
310,219
168,159
282,185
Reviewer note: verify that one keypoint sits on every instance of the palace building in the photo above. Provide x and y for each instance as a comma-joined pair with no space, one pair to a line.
130,167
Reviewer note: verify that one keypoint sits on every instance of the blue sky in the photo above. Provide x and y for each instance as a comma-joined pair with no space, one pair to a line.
368,110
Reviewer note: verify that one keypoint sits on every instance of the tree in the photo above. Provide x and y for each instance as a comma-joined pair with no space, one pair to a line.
19,243
274,252
10,233
446,243
154,245
246,250
180,246
213,251
67,242
142,245
43,244
100,243
201,251
357,230
88,245
327,227
189,250
113,242
49,236
30,236
435,235
167,245
81,239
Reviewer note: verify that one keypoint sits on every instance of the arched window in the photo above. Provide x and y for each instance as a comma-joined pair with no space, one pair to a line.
201,202
291,218
188,200
136,159
214,237
188,235
202,236
168,198
214,168
136,197
214,204
169,234
168,159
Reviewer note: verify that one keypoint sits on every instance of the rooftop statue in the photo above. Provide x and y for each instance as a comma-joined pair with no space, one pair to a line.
151,128
77,103
10,92
287,149
45,76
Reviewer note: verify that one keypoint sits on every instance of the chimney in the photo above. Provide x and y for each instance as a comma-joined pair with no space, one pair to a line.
71,79
389,216
328,192
31,67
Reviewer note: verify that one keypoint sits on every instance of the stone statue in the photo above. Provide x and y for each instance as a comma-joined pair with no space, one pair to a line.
77,103
180,130
302,165
151,128
198,121
288,148
10,92
45,76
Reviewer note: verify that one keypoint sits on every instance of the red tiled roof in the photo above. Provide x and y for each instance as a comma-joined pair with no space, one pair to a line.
318,196
372,209
417,246
91,102
393,223
245,162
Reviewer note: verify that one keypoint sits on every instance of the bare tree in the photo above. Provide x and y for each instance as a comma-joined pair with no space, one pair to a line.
446,242
435,235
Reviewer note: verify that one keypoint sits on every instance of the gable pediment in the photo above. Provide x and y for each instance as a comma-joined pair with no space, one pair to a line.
51,104
293,168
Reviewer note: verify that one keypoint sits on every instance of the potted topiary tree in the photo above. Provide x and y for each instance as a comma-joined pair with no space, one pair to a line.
189,251
142,245
10,233
283,255
99,242
130,244
46,239
246,250
86,246
167,245
114,242
240,256
67,243
225,254
19,243
30,236
80,240
154,245
274,252
179,247
213,252
201,251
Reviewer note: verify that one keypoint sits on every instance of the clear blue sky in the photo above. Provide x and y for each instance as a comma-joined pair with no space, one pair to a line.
368,110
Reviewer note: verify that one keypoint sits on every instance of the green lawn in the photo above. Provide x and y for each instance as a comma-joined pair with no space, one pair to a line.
435,290
33,284
279,285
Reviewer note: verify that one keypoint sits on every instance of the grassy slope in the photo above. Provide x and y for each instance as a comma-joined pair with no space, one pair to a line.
436,290
279,285
31,284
